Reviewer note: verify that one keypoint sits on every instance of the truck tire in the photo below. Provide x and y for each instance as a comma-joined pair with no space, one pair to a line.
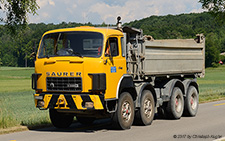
175,106
124,116
85,120
60,120
145,115
191,102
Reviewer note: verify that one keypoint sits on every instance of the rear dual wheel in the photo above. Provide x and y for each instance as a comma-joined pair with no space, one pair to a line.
175,106
178,105
191,102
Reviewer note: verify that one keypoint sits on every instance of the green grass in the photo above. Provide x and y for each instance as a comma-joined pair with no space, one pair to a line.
212,87
15,79
17,103
16,99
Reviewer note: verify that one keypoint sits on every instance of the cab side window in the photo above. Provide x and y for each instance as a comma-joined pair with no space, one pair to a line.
112,47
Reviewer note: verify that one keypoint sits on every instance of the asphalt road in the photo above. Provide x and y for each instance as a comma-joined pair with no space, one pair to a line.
209,124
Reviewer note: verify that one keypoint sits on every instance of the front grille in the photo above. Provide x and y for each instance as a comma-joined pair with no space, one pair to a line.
64,83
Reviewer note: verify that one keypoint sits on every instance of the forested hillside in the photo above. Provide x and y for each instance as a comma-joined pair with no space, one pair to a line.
13,50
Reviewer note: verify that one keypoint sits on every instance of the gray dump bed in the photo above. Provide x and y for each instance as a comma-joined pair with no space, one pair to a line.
148,57
178,56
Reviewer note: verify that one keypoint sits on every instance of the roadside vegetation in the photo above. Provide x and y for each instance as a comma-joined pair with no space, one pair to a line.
16,99
17,104
212,87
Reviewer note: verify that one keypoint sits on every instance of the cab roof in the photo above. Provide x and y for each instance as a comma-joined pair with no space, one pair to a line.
106,31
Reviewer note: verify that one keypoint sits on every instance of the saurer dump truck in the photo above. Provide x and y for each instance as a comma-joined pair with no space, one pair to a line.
116,73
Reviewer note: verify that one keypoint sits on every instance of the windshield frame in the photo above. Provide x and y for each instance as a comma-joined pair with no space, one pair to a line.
98,36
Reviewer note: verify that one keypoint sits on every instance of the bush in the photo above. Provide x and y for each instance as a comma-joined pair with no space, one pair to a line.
215,65
222,58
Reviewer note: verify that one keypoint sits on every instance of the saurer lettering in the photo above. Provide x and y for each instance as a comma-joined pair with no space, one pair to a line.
65,74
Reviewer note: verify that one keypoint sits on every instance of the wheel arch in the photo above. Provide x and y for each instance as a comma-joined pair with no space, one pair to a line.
169,86
126,84
190,82
149,87
178,83
164,90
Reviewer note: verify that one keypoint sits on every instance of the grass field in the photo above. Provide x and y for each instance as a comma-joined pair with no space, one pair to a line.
17,104
212,87
16,99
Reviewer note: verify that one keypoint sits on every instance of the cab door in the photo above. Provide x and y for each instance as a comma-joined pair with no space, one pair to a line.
115,65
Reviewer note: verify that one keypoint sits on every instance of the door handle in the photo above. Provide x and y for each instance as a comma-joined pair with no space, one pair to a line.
50,61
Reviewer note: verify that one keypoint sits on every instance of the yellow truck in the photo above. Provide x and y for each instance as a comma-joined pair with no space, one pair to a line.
117,73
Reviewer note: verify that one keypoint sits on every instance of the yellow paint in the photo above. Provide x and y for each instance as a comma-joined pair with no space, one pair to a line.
47,99
219,104
85,65
112,79
97,102
61,101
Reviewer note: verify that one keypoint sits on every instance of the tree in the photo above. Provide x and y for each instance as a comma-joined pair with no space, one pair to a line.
211,52
0,61
16,13
216,8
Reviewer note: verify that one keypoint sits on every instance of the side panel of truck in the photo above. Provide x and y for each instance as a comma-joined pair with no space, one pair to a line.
178,56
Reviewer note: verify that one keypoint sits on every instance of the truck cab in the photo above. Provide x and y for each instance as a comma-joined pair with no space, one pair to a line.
79,60
78,69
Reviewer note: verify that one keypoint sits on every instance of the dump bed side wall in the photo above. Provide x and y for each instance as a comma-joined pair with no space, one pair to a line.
177,56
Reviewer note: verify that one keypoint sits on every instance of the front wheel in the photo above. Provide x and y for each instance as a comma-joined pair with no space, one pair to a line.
145,114
124,116
60,120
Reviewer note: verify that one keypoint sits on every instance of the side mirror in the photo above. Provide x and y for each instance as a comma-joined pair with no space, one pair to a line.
33,56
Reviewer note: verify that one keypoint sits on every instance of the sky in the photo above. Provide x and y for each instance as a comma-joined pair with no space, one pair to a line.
99,11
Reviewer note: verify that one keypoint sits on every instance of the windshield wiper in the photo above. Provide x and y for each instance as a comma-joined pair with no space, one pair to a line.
77,54
71,52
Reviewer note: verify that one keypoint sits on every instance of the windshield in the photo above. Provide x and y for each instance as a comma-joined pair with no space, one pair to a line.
77,43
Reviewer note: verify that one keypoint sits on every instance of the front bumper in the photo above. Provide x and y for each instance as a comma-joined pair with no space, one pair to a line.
69,101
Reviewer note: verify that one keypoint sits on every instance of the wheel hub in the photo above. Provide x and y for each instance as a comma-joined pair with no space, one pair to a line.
126,111
178,105
147,108
193,101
